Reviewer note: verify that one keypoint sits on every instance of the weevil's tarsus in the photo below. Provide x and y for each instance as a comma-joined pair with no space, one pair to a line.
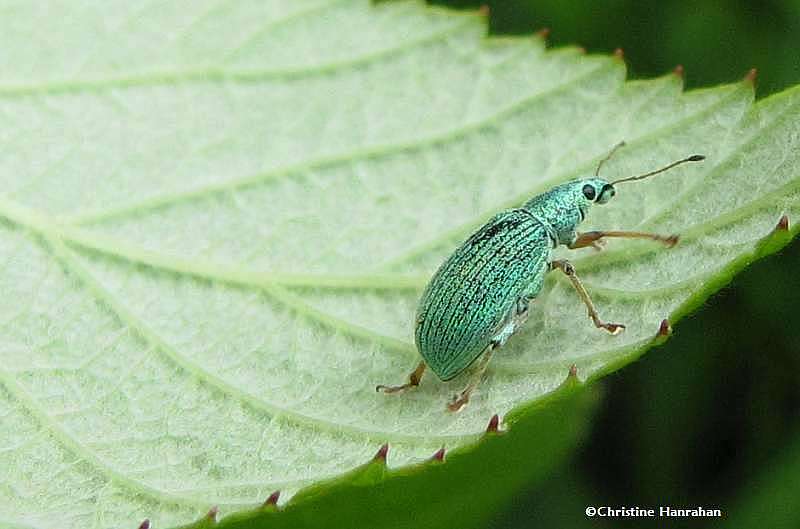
145,524
594,238
462,398
783,223
569,270
413,380
212,513
611,153
692,158
439,455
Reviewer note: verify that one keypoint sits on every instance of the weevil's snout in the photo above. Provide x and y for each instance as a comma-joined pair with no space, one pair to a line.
607,192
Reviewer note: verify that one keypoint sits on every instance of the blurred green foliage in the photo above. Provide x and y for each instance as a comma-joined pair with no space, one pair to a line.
711,418
715,40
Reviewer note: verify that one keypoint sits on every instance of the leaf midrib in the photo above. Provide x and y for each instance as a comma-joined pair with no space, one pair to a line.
51,230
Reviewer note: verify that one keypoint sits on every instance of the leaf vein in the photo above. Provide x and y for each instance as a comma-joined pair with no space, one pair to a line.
377,151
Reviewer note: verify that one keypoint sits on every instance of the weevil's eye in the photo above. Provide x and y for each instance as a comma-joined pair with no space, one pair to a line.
589,192
606,194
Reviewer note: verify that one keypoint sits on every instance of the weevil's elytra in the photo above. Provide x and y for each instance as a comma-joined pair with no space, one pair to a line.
500,264
479,297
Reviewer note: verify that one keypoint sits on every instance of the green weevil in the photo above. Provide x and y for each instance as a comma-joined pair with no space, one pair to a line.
480,295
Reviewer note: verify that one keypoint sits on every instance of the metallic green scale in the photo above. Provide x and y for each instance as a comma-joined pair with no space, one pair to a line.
480,295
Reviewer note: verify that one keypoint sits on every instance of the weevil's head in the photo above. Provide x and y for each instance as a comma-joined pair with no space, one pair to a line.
596,190
566,205
589,191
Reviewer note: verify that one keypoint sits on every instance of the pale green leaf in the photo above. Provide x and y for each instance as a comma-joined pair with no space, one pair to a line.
216,218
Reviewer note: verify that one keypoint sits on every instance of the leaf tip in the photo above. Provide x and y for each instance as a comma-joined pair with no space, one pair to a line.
438,456
678,71
572,377
665,329
494,425
573,371
750,77
380,455
783,223
145,524
272,499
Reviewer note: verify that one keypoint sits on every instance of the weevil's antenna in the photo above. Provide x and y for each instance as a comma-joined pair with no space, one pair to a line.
608,156
692,158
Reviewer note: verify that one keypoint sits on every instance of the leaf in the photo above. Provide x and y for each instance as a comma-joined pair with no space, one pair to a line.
217,218
459,492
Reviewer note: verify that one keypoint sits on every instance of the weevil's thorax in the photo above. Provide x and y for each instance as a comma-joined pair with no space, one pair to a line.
565,206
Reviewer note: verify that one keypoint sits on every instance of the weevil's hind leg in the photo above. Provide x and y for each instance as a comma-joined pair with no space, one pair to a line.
594,238
569,270
518,316
413,380
462,398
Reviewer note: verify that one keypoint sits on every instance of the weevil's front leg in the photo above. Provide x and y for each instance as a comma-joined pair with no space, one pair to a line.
462,398
569,270
593,238
413,380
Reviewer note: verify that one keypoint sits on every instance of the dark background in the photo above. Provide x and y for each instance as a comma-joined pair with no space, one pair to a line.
711,418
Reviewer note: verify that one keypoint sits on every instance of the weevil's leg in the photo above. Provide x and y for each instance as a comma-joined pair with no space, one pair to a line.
413,380
522,312
462,398
569,270
593,238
